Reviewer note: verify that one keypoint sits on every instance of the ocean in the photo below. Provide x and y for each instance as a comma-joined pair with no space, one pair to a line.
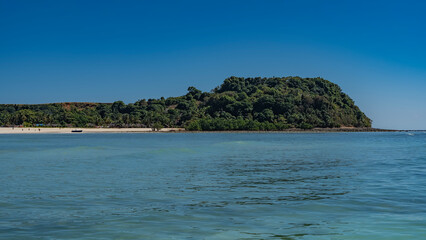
213,186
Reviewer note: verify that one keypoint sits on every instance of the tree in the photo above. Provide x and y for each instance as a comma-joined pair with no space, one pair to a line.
237,104
157,126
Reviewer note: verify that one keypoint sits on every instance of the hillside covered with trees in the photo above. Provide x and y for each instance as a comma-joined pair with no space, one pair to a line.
237,104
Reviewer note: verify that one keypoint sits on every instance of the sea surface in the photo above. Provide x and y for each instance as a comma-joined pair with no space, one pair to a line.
213,186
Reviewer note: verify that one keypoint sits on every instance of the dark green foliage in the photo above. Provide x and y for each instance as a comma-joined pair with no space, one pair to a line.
237,104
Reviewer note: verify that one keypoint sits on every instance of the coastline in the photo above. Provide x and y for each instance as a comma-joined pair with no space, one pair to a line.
33,130
313,130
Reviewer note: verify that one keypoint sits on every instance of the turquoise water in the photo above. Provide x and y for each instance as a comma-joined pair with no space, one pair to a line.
213,186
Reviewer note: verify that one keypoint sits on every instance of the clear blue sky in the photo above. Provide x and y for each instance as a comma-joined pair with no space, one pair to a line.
103,51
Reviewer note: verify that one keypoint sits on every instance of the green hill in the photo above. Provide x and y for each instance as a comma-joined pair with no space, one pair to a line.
237,104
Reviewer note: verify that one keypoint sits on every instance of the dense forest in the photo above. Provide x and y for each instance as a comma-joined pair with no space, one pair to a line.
237,104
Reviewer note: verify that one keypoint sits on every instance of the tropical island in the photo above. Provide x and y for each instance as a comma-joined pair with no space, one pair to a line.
252,104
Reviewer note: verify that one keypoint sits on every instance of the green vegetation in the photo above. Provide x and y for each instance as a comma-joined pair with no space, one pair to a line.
237,104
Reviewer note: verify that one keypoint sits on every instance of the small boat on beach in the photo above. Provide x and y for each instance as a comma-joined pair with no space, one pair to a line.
76,131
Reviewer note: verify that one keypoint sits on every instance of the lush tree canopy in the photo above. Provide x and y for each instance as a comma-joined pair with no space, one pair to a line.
237,104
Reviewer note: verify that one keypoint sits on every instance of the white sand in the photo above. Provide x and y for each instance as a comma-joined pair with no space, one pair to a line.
9,130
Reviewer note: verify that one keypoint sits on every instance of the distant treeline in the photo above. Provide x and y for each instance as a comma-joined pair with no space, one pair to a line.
237,104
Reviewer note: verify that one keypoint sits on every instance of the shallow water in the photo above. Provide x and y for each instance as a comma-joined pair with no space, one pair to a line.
213,186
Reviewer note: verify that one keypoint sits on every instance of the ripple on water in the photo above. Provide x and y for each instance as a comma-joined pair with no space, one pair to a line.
213,186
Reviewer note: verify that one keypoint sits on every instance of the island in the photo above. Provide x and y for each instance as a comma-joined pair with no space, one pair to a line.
238,104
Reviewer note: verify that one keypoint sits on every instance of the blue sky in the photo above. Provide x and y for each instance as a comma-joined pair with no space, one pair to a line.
103,51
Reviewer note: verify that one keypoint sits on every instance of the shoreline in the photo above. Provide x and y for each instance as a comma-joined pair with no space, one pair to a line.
314,130
41,130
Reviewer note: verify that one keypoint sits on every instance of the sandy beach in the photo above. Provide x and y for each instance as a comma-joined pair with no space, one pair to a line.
21,130
9,130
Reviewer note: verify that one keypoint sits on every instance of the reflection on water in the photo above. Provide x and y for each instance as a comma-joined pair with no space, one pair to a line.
213,186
